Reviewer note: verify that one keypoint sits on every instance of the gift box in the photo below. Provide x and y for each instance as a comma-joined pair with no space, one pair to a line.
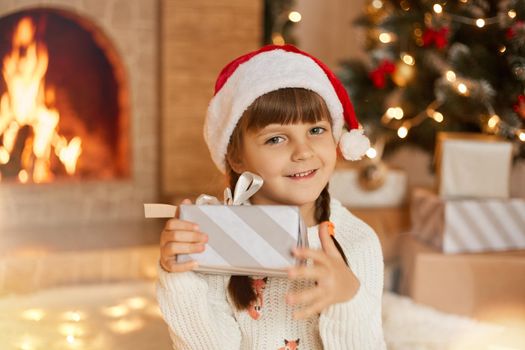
242,239
473,165
467,225
487,286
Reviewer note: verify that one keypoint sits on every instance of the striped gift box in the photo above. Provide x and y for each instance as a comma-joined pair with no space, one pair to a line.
468,225
242,239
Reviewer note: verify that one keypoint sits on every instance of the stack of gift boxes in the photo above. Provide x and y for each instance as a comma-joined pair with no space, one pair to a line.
466,250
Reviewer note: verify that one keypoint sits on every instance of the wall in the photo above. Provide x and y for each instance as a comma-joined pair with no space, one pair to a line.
198,38
326,29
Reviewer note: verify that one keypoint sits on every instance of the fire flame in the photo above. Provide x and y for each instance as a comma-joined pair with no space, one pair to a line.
24,104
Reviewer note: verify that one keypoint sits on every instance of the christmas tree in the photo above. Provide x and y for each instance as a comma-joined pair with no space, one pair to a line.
441,66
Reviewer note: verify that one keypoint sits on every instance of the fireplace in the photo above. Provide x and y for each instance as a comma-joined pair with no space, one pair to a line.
63,101
78,112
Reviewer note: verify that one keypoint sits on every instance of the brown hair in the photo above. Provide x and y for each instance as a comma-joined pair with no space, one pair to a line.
283,106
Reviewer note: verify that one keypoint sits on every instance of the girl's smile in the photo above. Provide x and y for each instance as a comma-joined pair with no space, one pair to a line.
302,175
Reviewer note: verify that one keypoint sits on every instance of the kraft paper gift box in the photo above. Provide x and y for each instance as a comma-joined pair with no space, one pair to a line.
467,225
243,239
487,286
473,165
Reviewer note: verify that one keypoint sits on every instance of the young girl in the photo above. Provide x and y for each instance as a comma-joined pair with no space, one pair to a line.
279,113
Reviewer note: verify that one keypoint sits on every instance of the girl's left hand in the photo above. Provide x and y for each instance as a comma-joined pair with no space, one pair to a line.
336,283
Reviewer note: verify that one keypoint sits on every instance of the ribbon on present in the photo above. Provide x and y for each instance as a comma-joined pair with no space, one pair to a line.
247,185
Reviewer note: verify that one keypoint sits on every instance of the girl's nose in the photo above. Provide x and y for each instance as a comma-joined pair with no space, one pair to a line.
302,151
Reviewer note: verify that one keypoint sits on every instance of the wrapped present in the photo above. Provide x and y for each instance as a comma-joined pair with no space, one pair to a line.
468,225
487,286
243,239
473,165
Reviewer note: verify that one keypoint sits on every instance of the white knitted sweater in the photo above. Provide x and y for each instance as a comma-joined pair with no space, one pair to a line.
200,314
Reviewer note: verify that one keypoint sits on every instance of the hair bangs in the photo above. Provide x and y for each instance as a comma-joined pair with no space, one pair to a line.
286,106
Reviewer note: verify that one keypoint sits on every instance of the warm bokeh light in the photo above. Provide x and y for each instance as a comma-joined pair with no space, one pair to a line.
438,117
402,132
4,155
451,76
75,316
493,121
277,39
74,329
294,16
462,88
33,314
116,311
480,22
385,38
371,153
395,113
438,8
408,59
377,4
23,177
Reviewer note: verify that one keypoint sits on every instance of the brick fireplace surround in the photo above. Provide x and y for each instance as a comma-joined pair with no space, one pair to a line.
132,28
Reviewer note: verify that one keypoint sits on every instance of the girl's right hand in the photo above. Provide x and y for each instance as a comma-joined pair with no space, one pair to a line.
180,237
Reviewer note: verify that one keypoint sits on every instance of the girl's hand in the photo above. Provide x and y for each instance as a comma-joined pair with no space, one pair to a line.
335,282
180,237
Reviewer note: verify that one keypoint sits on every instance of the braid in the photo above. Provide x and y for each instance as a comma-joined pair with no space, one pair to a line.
322,206
241,291
322,213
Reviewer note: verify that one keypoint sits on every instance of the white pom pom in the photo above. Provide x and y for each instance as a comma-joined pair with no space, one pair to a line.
354,144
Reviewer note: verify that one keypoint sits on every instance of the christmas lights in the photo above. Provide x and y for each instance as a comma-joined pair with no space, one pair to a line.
472,80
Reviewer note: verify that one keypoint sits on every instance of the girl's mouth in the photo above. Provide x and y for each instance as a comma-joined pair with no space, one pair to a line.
303,175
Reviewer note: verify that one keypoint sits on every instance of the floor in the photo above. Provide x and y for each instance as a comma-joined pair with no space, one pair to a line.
94,317
125,315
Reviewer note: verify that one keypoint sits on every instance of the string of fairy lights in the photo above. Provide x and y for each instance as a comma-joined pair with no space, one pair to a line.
394,117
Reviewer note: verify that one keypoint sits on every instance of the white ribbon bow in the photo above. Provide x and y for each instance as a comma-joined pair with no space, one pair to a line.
247,185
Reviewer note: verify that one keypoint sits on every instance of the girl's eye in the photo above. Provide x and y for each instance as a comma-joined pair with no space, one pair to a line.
274,140
317,130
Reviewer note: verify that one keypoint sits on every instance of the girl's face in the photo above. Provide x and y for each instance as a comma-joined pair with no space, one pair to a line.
294,160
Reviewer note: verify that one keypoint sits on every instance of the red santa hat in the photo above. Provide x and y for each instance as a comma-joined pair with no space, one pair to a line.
268,69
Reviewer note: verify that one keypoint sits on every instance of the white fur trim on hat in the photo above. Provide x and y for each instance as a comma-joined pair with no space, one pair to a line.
263,73
354,144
